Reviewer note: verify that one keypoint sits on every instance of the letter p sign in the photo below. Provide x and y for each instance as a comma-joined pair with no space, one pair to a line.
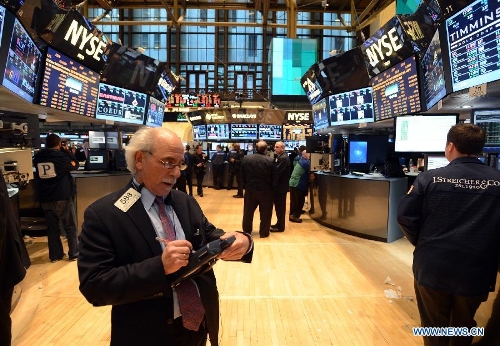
46,170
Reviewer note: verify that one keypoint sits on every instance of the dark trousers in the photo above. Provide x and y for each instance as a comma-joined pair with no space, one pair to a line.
189,182
252,200
441,309
297,200
5,321
172,334
180,184
199,182
280,209
64,212
218,171
232,175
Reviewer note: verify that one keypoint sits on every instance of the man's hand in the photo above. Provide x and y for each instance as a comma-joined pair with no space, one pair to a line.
237,249
175,255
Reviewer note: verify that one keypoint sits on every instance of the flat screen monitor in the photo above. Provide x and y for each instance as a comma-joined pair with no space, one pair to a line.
97,160
156,111
113,140
474,44
435,161
489,120
244,131
352,107
321,114
217,131
167,83
128,68
22,65
270,132
433,75
68,85
364,150
423,133
199,132
97,140
119,104
290,59
291,145
358,152
396,91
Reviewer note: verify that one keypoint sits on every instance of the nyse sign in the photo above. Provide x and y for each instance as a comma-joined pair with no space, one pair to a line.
298,116
384,47
85,40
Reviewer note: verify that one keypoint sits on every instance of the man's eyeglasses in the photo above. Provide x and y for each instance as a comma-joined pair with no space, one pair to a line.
170,165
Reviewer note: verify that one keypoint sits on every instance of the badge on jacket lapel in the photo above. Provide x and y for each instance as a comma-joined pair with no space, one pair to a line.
127,200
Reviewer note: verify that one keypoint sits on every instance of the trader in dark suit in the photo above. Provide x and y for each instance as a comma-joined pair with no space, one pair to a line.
450,214
283,173
122,264
259,179
14,260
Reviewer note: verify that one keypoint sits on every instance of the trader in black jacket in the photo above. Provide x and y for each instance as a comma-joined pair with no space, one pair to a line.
123,265
283,173
259,179
451,216
56,190
14,260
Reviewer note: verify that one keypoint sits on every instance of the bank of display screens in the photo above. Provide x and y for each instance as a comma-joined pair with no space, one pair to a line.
352,107
270,132
474,44
243,131
321,114
396,91
218,131
119,104
199,132
156,110
22,60
433,80
422,133
68,85
489,121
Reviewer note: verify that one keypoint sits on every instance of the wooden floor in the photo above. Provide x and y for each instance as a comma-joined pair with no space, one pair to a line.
307,286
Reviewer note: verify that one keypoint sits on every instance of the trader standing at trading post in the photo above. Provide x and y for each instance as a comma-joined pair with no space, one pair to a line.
451,215
134,238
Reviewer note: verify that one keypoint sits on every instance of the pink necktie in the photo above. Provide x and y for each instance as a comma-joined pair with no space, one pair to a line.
187,294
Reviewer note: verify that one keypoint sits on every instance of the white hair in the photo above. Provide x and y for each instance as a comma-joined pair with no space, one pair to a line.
142,140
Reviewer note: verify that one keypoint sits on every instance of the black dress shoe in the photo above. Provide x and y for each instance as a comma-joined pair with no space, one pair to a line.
276,229
238,196
264,235
201,194
294,219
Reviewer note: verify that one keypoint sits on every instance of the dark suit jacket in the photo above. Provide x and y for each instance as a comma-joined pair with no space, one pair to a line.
120,264
258,172
283,172
14,259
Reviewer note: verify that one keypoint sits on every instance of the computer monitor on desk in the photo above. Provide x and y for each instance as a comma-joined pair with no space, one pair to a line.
97,160
434,161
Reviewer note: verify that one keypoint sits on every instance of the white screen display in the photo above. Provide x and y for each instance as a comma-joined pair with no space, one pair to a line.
422,133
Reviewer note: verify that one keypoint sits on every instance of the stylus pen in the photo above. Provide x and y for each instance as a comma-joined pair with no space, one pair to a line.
163,240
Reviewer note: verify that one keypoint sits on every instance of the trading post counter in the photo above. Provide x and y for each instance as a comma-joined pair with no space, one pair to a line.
365,206
92,186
